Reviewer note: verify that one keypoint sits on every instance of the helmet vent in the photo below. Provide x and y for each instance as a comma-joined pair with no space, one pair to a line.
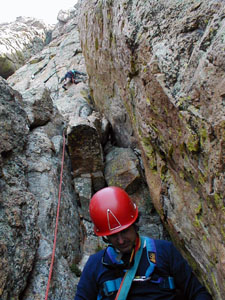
113,222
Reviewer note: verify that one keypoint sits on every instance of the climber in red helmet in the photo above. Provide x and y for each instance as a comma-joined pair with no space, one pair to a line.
132,267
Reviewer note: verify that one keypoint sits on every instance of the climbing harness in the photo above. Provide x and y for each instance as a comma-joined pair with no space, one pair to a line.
122,285
57,220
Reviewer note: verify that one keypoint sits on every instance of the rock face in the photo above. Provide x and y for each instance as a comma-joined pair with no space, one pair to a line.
35,112
31,150
19,41
32,131
19,208
156,70
150,114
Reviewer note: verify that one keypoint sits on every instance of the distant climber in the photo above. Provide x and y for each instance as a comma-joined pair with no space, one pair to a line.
72,76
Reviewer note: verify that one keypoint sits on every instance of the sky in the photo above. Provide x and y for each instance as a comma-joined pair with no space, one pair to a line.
46,10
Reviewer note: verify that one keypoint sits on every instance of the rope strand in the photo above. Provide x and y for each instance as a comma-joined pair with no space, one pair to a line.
57,221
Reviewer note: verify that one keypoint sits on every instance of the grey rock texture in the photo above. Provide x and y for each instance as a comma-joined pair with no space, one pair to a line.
19,41
151,103
49,111
156,69
30,167
19,233
121,169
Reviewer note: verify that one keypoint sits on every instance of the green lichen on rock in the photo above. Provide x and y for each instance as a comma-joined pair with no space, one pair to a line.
215,282
222,230
7,68
198,216
20,57
192,262
201,178
109,16
193,143
203,135
181,174
154,128
170,149
184,102
133,68
154,108
198,210
163,172
99,14
218,200
35,60
196,222
130,112
150,152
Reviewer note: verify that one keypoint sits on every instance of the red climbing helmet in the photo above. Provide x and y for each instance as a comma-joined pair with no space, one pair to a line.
112,211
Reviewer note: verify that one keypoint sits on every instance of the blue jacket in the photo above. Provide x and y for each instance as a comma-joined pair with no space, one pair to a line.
169,262
73,73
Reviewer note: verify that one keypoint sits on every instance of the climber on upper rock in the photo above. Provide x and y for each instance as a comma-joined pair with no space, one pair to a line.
72,76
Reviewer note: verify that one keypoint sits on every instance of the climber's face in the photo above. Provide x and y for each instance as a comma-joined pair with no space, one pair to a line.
124,240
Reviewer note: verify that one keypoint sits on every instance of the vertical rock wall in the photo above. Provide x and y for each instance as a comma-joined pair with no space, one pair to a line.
19,233
156,70
30,166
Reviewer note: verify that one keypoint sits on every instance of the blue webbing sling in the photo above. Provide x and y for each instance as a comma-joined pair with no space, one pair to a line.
129,276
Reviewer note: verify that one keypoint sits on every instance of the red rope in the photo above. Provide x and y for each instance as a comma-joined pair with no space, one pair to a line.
57,220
